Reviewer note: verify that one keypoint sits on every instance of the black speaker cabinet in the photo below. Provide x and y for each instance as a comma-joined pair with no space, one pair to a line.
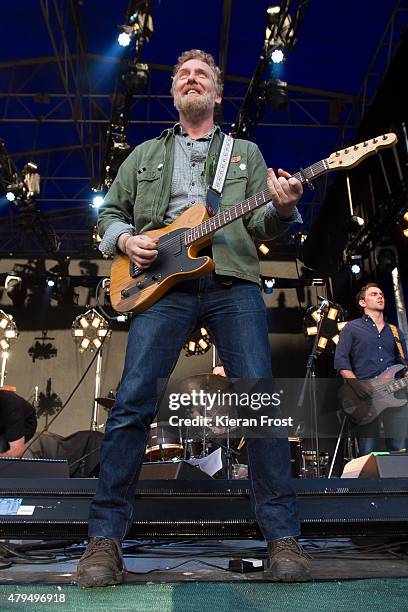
386,466
168,470
33,468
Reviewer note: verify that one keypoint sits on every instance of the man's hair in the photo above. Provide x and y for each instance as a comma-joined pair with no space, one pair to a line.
361,293
204,57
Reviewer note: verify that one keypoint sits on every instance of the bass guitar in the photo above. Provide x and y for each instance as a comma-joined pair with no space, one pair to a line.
135,290
364,400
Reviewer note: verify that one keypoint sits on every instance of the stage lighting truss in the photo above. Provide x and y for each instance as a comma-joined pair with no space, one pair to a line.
326,323
8,331
198,343
88,331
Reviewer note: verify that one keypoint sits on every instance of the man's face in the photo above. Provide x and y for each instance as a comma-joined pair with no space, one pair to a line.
194,89
373,299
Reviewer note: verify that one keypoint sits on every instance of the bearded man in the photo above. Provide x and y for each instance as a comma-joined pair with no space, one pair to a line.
157,182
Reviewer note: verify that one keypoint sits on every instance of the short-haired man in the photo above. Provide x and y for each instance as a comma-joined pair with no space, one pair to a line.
366,348
158,181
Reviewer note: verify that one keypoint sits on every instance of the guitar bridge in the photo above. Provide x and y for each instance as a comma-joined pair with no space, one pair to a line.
134,270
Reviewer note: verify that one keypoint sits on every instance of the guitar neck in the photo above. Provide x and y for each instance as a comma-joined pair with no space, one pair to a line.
256,201
340,160
397,384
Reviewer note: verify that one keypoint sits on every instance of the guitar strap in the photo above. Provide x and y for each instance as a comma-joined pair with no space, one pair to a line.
398,343
214,192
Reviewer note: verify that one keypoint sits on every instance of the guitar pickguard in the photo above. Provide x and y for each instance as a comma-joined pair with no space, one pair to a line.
172,260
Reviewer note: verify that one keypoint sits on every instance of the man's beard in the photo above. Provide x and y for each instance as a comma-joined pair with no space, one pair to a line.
194,107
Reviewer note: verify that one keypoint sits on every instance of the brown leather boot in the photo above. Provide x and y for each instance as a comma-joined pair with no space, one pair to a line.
101,564
287,561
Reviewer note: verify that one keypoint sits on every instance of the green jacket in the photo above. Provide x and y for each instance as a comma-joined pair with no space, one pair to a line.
140,194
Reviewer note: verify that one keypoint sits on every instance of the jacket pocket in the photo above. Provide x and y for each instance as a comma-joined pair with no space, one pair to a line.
235,185
148,181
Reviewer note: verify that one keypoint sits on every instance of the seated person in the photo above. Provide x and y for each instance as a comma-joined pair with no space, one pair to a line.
18,423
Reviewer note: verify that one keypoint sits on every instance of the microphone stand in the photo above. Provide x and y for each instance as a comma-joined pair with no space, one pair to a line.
309,383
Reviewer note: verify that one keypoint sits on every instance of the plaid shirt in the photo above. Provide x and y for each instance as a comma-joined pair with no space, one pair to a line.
188,185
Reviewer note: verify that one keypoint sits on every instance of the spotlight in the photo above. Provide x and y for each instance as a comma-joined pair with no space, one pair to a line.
277,56
97,201
8,331
198,343
330,322
263,249
386,258
15,289
88,330
136,78
405,216
276,93
357,222
124,39
268,284
10,196
356,265
50,282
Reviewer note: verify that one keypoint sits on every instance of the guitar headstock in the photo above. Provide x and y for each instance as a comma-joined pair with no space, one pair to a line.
353,155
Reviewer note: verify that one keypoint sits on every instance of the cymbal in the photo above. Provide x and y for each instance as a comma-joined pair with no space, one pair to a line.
106,402
205,382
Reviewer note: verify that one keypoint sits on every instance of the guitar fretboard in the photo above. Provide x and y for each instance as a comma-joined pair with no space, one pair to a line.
242,208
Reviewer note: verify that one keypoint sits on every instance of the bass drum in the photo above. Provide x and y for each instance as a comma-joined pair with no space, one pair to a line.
163,445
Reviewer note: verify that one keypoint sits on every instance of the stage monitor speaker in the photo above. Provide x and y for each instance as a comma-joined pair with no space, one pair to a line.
33,468
168,470
393,465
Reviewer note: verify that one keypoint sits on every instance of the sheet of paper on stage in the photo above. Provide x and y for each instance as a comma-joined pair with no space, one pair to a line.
210,464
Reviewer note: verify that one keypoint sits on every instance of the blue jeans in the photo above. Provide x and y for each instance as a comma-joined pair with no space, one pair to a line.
395,423
235,315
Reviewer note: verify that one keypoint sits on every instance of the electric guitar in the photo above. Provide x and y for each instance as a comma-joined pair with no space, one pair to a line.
364,400
135,290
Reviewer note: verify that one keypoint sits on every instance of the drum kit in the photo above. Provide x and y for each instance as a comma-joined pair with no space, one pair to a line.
167,443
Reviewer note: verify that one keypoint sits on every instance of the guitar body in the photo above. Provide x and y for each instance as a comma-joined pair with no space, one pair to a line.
135,291
365,400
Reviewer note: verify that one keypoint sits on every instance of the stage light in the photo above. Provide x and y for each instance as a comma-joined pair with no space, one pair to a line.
8,335
88,329
356,266
277,56
10,196
15,289
405,232
263,249
124,39
97,201
357,221
405,216
50,282
268,285
276,93
136,77
198,343
330,320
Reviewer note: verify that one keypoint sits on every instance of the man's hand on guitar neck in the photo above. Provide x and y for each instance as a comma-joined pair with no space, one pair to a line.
285,191
141,249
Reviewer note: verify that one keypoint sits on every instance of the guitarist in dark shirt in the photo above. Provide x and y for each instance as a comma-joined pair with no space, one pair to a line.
367,348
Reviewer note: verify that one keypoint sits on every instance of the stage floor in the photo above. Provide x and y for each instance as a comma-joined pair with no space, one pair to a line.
204,561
